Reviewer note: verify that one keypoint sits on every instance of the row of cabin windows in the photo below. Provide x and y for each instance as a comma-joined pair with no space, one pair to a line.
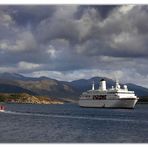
95,97
87,96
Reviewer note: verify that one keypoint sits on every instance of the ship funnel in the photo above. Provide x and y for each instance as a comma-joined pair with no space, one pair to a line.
102,85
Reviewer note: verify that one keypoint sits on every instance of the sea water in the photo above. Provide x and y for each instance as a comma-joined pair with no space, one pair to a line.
69,123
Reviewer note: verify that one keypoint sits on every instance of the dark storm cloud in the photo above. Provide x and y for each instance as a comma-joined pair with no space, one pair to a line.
29,14
64,29
123,33
105,11
74,38
102,10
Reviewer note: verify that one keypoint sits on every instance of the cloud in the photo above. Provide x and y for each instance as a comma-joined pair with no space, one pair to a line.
57,28
5,19
21,67
126,8
64,12
75,41
26,65
25,15
24,41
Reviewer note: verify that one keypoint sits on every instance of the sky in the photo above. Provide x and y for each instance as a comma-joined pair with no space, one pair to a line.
69,42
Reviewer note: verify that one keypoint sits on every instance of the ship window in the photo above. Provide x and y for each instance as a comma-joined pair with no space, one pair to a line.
99,97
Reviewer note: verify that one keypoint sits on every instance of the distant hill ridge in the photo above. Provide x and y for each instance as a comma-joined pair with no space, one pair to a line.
17,83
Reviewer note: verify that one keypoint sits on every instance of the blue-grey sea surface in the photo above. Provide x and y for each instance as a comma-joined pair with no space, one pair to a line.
69,123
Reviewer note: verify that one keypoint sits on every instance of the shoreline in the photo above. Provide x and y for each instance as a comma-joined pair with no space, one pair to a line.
142,103
3,103
24,98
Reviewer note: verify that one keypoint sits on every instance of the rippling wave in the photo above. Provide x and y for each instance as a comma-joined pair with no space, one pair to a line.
73,117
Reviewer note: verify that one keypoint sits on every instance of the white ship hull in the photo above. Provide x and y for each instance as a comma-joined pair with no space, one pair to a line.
114,103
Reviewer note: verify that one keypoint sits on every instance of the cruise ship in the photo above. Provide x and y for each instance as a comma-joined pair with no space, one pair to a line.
115,97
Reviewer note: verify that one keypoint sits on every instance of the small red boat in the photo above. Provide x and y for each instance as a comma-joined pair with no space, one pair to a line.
2,108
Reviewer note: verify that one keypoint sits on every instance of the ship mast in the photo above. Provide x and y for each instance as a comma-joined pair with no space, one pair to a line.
93,86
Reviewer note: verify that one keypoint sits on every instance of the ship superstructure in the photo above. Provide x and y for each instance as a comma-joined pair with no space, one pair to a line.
115,97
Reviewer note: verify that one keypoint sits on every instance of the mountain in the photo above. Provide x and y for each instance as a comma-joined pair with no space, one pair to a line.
85,84
15,76
139,90
9,76
6,88
14,83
